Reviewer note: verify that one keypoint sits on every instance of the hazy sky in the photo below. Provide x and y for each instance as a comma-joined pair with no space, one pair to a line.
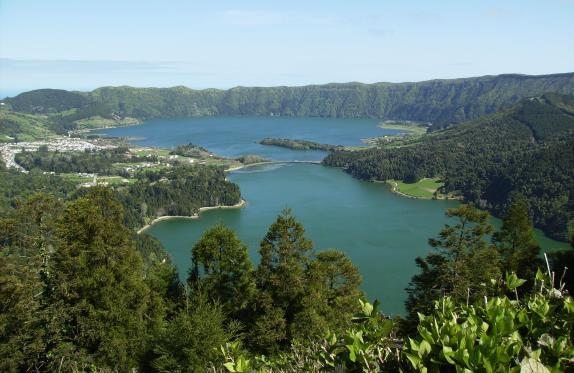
83,44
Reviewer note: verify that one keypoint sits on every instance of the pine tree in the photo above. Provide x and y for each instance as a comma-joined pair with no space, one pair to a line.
26,242
519,251
103,311
281,281
222,268
463,263
331,297
284,258
193,338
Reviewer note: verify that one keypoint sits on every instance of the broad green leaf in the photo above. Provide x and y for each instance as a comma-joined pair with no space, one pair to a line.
531,365
424,348
386,328
352,355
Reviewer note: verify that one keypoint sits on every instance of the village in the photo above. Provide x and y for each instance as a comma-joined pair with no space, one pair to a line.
8,151
137,158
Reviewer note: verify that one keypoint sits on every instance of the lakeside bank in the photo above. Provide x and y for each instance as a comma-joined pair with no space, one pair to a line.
238,205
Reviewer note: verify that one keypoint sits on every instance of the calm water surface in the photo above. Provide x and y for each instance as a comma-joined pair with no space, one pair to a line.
235,136
381,232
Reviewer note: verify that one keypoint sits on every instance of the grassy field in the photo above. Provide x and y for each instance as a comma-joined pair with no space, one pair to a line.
423,189
407,127
23,127
75,178
99,122
142,152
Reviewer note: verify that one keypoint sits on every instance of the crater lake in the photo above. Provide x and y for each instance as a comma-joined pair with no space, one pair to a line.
380,231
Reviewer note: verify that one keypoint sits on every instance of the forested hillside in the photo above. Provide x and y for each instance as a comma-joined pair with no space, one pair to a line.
81,292
46,101
527,149
441,102
179,190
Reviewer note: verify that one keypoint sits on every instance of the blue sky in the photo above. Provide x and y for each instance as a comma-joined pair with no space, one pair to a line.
83,44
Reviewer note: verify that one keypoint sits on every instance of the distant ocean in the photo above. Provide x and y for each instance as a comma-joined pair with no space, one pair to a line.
10,92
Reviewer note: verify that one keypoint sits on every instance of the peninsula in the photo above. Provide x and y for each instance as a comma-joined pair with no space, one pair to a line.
300,144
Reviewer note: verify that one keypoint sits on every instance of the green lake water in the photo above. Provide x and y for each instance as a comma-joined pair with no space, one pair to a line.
381,232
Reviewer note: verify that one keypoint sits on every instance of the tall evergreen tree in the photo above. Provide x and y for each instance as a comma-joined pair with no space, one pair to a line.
103,309
193,338
26,242
285,255
284,258
331,297
519,251
461,265
221,267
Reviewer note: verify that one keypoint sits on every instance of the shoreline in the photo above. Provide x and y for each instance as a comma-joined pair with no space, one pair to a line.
394,187
88,130
411,129
238,205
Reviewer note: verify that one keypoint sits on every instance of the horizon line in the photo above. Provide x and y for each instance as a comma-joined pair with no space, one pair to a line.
514,74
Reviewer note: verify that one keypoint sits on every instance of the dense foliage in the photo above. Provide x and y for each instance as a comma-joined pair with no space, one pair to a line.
76,294
500,335
439,101
76,277
474,318
176,191
190,150
79,291
16,186
45,101
465,259
300,144
528,149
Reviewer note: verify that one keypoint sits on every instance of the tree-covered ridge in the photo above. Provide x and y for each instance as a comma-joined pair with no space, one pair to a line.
441,102
527,149
46,101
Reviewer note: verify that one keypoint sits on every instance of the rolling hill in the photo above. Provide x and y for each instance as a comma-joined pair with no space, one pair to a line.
527,149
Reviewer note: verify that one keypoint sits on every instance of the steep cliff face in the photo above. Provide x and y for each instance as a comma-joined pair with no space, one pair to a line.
442,102
438,101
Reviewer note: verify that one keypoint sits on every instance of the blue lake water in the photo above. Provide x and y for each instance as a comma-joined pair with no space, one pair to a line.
235,136
381,232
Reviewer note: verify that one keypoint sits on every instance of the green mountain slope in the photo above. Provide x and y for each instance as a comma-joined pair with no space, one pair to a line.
44,101
528,149
441,102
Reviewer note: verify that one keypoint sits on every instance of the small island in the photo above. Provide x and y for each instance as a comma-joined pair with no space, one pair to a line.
300,144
